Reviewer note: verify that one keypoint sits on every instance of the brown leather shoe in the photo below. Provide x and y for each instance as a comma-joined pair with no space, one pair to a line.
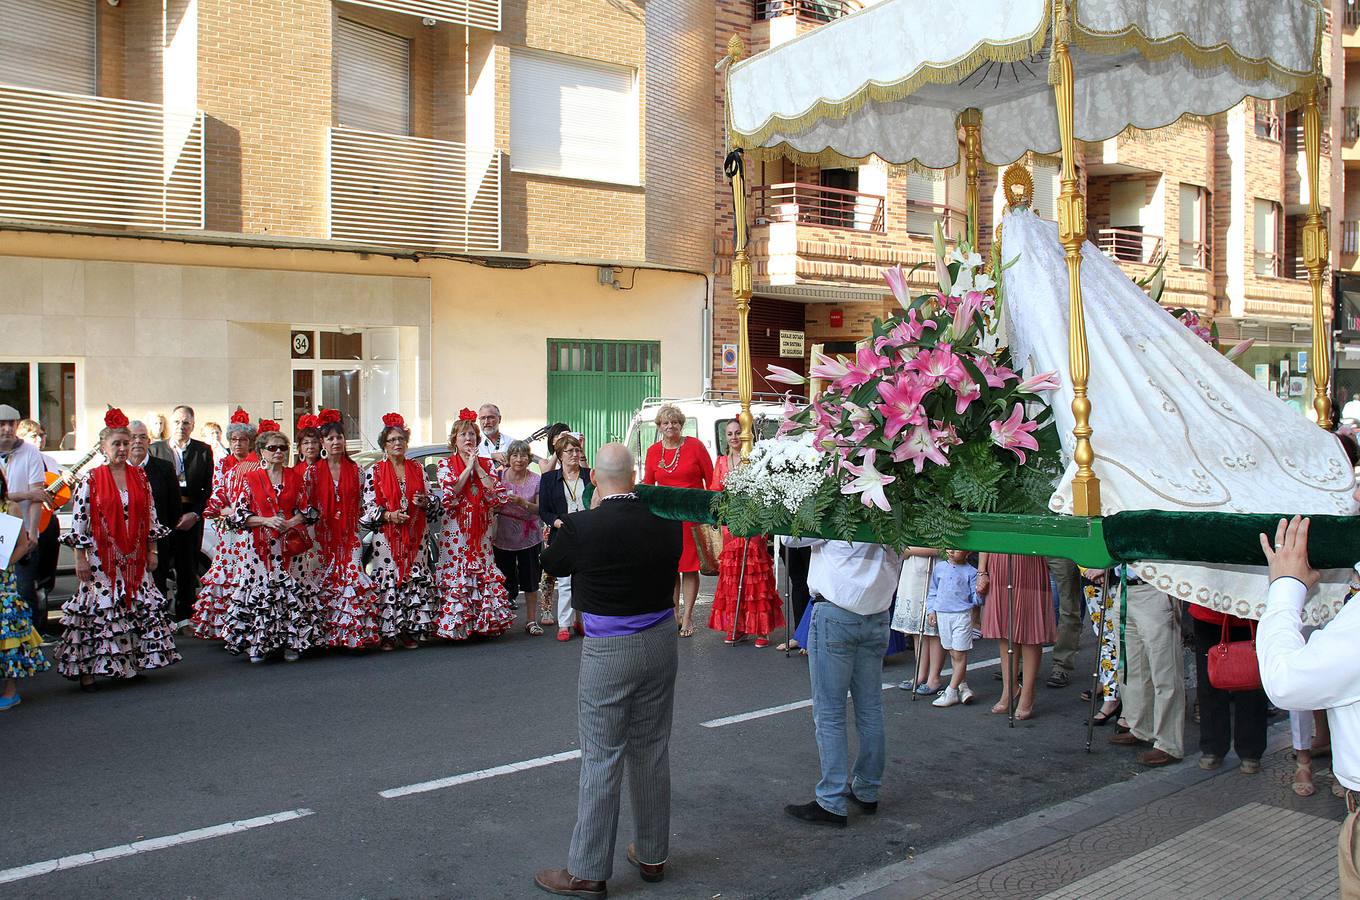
1125,739
563,883
651,872
1155,757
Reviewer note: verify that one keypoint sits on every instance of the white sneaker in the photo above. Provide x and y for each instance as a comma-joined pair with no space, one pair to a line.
965,694
948,697
291,656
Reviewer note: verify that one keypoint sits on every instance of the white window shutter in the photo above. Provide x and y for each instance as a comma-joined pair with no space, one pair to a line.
373,79
50,45
573,118
929,193
1046,192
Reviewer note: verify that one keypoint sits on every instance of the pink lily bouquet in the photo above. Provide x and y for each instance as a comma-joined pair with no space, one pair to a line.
923,426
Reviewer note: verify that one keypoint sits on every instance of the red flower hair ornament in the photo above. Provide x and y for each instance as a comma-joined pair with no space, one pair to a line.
114,418
329,415
267,425
308,420
240,417
466,415
394,420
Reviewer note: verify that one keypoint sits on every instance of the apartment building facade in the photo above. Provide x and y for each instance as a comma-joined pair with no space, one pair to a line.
1222,200
373,205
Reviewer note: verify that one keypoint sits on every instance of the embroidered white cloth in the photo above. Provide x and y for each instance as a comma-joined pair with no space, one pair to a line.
1176,425
891,79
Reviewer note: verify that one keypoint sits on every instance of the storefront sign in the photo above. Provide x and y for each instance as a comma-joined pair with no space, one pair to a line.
791,344
729,359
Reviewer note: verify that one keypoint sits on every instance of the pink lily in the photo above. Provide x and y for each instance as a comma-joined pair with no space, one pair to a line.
937,365
784,376
897,282
787,423
966,390
1239,348
828,369
1037,384
1015,433
968,307
919,447
901,404
869,482
866,367
995,376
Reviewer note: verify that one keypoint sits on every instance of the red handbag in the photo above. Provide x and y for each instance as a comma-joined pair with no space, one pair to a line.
1232,664
297,541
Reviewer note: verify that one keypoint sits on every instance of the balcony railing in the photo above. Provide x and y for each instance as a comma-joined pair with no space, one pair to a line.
1267,264
921,218
401,191
1194,255
1350,238
82,160
1352,16
1128,245
1350,124
811,204
814,11
474,13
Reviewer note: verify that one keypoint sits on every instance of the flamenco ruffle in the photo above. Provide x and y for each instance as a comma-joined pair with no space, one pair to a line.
19,653
215,589
115,641
351,609
270,613
761,607
404,608
476,606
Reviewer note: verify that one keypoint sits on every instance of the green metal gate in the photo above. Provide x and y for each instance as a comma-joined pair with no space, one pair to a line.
596,386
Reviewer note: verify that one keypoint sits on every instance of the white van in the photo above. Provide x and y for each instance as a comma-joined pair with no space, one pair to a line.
706,418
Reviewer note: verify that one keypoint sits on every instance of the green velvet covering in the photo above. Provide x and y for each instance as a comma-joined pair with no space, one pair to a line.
1228,538
1224,538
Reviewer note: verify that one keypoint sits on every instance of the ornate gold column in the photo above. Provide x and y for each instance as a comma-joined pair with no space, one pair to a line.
1315,260
734,167
1072,233
971,121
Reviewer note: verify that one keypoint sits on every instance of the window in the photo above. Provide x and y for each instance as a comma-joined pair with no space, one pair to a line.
49,44
373,79
1194,236
355,372
1267,220
573,118
45,391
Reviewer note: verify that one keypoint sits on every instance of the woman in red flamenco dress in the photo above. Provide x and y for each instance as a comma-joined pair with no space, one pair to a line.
761,610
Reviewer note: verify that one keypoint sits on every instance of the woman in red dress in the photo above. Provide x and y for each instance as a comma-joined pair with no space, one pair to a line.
761,609
337,492
679,461
215,587
1017,586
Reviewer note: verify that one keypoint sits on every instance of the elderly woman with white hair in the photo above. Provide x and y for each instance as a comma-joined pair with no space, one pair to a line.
680,461
215,587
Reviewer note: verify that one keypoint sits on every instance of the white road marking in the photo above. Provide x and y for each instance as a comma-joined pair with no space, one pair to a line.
480,774
77,860
803,704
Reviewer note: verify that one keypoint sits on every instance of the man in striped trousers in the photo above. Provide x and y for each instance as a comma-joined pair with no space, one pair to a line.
622,561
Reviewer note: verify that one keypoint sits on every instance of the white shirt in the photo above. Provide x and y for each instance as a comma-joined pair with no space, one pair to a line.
859,578
23,467
1321,673
500,445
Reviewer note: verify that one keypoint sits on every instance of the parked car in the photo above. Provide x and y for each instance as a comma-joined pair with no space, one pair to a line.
706,418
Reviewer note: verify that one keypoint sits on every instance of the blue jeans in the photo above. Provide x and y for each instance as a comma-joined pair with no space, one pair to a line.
845,652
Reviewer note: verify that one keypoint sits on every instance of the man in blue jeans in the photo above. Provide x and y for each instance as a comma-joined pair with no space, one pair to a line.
851,587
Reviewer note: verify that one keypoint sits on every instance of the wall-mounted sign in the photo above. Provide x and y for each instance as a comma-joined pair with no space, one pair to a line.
729,359
302,345
1301,362
791,344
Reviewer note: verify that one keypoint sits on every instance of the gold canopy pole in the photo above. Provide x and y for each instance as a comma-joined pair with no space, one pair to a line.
1072,233
735,168
971,120
1315,258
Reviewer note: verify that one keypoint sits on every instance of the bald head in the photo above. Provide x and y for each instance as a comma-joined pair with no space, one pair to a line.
614,471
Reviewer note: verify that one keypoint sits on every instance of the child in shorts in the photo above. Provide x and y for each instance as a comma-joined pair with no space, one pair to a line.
949,604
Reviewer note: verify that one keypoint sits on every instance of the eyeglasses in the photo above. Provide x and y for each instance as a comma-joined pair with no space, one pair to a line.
277,448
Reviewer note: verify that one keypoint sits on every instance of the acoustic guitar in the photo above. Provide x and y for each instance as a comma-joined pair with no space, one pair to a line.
58,489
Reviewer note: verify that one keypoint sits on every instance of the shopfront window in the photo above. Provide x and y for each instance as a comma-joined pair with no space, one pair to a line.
45,391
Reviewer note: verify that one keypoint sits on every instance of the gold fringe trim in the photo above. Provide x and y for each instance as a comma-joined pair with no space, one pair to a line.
1016,50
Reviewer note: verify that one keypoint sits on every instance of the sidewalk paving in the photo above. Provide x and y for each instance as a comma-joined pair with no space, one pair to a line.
1176,832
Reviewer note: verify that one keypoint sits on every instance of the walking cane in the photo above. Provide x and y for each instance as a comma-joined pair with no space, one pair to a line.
788,620
921,633
1010,639
1095,675
741,586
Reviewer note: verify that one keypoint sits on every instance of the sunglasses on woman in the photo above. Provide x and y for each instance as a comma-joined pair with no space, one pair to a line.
277,448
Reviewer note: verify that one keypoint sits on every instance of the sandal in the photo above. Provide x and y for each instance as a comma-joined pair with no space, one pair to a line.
534,628
784,648
1303,788
1103,718
687,631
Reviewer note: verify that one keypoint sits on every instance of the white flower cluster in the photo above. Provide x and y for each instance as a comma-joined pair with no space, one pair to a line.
784,471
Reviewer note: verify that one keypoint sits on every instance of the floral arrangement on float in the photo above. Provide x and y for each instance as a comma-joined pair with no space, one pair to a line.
921,428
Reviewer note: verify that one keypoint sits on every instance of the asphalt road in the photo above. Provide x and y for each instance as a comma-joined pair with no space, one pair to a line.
213,741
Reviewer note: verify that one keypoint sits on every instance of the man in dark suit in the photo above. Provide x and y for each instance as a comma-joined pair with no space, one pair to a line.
192,462
622,562
164,492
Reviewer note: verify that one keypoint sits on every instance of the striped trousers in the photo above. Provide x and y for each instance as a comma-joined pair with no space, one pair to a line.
624,703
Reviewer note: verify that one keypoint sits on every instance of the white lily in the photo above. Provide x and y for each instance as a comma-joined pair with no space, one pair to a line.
869,482
969,260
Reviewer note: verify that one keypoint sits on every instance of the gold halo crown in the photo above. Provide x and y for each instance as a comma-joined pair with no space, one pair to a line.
1018,186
